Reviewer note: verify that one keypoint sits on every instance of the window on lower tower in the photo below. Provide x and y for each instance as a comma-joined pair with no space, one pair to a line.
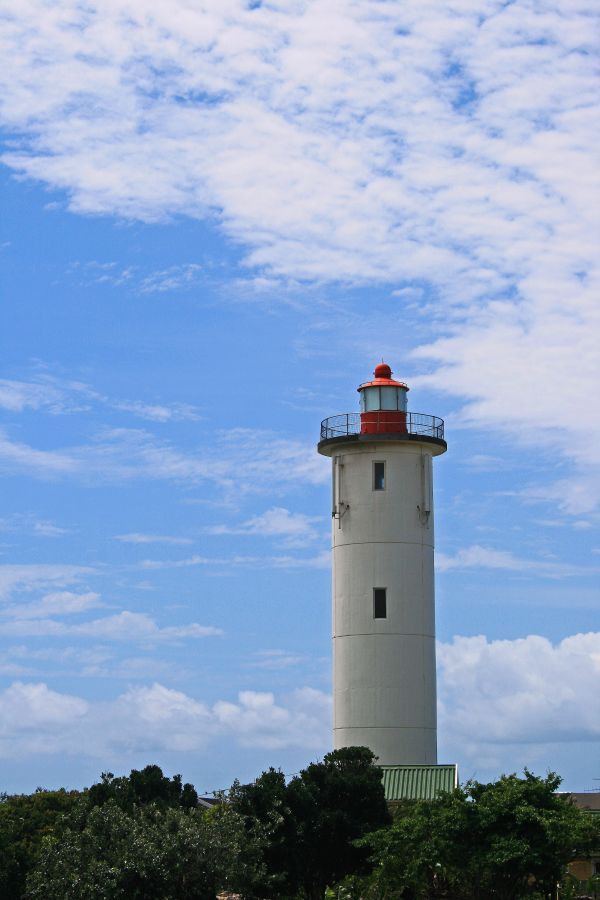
379,603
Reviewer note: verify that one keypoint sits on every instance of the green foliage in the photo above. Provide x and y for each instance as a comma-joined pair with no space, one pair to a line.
326,832
140,787
265,808
509,839
312,822
149,853
25,820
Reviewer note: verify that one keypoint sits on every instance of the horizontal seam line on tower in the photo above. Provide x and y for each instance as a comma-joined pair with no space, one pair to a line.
378,633
394,727
408,543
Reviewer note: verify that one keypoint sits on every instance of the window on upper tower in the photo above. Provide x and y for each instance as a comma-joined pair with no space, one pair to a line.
379,476
380,603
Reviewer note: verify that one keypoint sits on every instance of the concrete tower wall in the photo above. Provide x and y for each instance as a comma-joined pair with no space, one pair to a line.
384,668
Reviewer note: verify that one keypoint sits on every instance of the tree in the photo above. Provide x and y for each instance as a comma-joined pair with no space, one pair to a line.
508,839
336,802
265,807
140,787
25,819
149,853
311,823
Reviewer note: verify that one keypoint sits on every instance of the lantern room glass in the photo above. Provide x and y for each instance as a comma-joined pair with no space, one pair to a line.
385,397
389,397
371,399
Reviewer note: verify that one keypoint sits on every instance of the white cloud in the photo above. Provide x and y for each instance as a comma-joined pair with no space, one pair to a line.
243,461
15,396
320,561
477,557
60,396
15,456
174,278
523,691
295,529
139,281
36,719
123,626
445,144
32,525
175,412
257,720
492,694
38,575
62,603
152,718
277,659
138,538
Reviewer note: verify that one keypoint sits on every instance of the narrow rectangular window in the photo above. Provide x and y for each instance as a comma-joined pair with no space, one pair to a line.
379,603
378,476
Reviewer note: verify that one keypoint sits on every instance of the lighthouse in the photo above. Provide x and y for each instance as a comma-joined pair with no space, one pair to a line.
384,682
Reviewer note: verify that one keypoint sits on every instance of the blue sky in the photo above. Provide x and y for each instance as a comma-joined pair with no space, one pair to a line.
215,223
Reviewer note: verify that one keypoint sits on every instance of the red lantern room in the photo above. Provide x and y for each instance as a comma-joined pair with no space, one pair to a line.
383,403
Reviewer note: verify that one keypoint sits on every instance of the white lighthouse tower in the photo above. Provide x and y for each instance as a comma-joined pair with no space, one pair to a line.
383,588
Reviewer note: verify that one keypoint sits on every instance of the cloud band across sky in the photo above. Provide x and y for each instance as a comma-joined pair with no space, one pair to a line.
436,143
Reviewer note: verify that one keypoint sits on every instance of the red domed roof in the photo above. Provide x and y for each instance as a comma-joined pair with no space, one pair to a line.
382,371
383,377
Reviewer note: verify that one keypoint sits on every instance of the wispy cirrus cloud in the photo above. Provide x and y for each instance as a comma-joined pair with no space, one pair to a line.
138,538
60,396
478,557
124,626
39,576
62,603
246,461
319,561
139,281
294,529
443,149
32,525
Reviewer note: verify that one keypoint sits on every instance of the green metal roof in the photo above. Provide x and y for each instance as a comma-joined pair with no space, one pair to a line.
417,782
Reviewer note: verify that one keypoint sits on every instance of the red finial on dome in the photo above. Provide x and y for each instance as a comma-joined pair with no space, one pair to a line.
382,370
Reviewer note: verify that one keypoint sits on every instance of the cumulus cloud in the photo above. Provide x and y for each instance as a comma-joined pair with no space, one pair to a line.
36,719
156,718
493,694
524,691
256,720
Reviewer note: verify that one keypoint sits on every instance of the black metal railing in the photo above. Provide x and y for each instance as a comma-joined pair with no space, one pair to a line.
382,422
